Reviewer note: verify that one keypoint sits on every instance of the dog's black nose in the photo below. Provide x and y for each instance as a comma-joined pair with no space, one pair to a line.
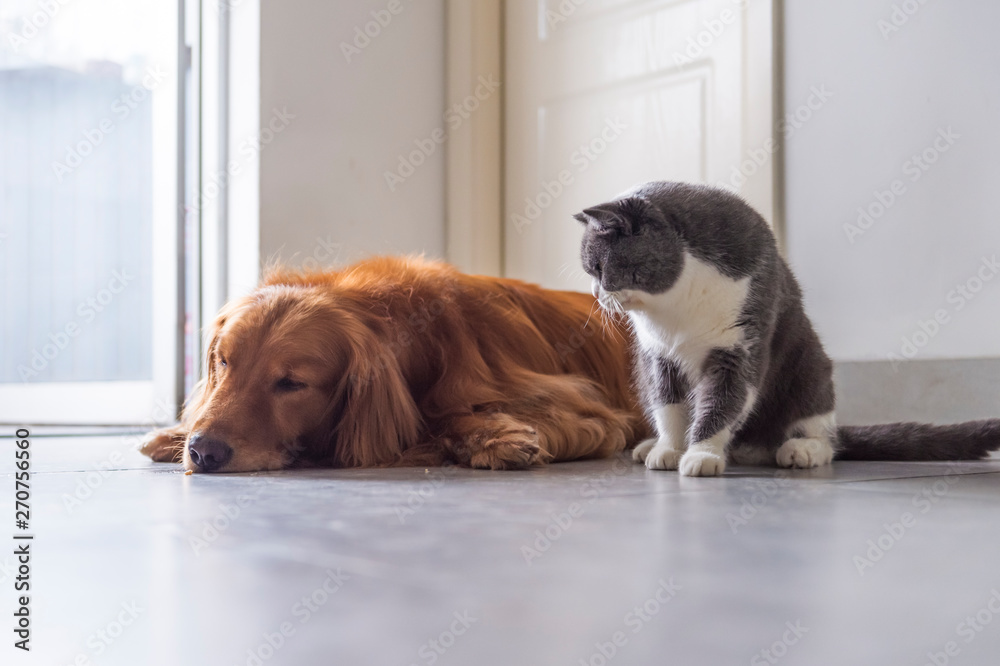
208,454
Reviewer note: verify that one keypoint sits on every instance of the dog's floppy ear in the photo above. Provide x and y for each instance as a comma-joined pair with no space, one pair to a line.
378,417
211,348
199,394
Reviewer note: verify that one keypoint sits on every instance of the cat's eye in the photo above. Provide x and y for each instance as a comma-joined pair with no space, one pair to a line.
288,385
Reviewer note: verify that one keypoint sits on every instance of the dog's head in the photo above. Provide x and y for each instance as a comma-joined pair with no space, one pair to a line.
298,375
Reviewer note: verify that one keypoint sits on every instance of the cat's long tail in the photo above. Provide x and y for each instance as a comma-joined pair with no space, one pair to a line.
919,441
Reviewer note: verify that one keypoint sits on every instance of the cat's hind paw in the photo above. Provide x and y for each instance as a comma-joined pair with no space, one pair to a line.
702,463
804,453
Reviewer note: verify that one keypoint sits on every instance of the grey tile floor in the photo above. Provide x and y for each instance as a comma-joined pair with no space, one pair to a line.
589,563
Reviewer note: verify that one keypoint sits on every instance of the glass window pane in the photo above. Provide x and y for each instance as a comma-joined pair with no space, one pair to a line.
77,163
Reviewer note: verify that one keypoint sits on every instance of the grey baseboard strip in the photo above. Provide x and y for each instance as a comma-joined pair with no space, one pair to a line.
934,391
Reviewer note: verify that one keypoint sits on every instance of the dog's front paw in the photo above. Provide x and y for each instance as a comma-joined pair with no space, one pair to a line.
165,445
702,463
510,449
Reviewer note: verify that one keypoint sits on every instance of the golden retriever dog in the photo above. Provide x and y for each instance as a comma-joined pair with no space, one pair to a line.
402,361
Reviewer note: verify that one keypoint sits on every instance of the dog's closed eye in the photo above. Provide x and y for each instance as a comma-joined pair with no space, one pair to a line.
288,385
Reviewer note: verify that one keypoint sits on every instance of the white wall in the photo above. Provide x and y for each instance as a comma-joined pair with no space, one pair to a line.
322,177
891,96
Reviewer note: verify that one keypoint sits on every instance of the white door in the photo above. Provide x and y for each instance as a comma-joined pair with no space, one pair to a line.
605,94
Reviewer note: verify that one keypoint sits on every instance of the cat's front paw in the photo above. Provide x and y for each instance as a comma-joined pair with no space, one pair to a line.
804,453
702,463
642,449
663,457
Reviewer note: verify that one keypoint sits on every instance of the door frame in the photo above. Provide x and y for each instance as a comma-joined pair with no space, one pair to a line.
474,183
474,159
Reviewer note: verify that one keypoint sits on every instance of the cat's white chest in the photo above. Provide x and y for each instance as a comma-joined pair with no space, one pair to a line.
698,314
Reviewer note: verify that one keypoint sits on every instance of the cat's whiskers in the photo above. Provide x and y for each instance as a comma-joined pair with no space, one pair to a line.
590,314
609,325
613,313
616,304
607,316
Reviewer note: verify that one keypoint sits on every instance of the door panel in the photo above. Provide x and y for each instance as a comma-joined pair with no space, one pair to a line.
614,93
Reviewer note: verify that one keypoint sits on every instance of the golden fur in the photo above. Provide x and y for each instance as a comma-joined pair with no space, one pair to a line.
402,361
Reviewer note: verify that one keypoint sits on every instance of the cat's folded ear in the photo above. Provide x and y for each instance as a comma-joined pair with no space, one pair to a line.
609,217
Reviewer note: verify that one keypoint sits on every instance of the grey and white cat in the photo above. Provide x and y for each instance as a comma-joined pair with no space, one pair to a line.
728,363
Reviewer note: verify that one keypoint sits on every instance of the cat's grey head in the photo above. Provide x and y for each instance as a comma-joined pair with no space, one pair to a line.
630,245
